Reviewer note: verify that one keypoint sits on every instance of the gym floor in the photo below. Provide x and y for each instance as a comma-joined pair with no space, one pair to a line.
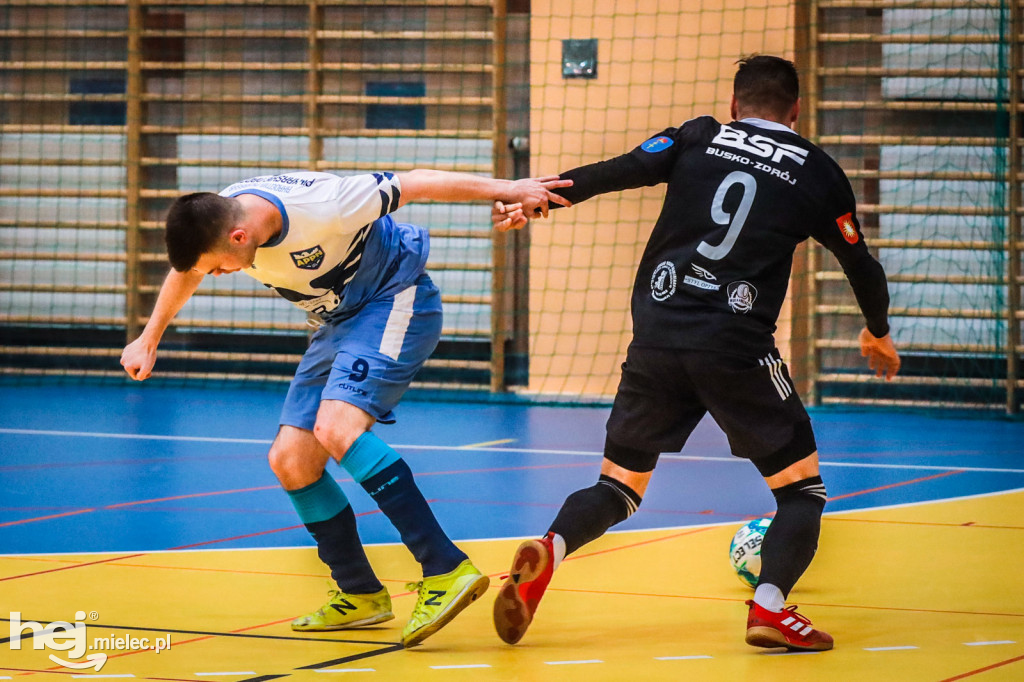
151,511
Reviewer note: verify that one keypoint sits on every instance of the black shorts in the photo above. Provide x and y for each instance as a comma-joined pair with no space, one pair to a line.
664,393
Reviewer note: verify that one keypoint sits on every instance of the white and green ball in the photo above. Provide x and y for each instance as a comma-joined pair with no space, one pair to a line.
745,550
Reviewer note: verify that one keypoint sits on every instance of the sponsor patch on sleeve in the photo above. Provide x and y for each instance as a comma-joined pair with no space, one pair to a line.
657,144
847,228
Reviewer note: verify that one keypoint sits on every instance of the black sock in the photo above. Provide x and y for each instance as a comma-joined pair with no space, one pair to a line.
396,493
792,538
587,514
338,545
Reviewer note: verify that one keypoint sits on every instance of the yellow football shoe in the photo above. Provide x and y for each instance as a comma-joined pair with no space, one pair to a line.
343,611
441,598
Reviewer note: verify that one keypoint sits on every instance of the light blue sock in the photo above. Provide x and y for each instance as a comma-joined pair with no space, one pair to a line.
318,501
367,457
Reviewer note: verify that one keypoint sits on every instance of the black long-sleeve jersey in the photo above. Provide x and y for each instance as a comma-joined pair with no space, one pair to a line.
741,196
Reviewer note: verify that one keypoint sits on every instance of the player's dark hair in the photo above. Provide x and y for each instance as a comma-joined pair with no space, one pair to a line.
195,223
766,83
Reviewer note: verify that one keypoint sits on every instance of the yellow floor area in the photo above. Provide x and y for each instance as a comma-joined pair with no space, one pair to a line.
924,592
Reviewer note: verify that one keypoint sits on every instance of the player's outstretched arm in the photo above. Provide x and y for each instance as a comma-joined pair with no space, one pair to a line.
881,354
139,356
425,184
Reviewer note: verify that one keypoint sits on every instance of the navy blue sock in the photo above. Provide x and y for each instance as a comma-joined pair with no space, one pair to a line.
396,493
329,518
338,546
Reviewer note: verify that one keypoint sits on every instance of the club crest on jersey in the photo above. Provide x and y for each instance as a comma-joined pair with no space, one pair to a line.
741,296
308,259
663,281
848,229
657,144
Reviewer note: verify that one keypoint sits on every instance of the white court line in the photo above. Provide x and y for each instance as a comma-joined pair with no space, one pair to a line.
593,660
524,451
1001,641
889,648
347,670
133,436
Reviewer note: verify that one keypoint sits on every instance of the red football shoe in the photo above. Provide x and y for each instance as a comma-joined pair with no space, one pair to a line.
787,628
520,595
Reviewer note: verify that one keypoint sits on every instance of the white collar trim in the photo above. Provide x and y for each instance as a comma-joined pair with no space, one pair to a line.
769,125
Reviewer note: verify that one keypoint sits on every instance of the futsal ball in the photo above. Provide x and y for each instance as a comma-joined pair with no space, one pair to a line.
745,550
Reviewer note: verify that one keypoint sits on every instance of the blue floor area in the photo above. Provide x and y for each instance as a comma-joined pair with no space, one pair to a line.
139,468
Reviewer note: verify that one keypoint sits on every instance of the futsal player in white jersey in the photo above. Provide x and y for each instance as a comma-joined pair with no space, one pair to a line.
329,245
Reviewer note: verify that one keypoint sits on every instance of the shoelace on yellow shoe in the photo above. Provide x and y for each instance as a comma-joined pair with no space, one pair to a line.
331,594
418,589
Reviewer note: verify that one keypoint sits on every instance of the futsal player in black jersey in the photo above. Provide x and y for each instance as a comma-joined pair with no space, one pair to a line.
741,196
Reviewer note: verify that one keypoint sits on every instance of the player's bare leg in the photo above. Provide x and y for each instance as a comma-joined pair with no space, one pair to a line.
298,459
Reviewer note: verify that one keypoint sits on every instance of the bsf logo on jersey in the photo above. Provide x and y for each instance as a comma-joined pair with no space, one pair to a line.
762,146
741,296
656,144
663,281
846,226
309,259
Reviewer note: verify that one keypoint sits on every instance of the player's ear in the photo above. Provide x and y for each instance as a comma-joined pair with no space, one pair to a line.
237,236
734,109
795,112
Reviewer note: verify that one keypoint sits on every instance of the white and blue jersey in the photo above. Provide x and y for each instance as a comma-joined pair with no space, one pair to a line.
341,256
338,247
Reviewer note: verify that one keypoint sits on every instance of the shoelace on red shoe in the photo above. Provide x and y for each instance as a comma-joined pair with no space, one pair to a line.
800,617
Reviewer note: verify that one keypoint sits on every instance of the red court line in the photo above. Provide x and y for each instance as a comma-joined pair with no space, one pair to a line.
692,531
135,503
182,547
26,671
495,469
46,518
896,485
115,462
119,505
81,565
936,524
659,595
985,669
552,505
235,537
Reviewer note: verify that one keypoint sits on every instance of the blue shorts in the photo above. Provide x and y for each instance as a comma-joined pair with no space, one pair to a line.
368,360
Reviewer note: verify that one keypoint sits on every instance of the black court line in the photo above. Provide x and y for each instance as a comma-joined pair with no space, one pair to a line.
243,635
355,657
326,664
